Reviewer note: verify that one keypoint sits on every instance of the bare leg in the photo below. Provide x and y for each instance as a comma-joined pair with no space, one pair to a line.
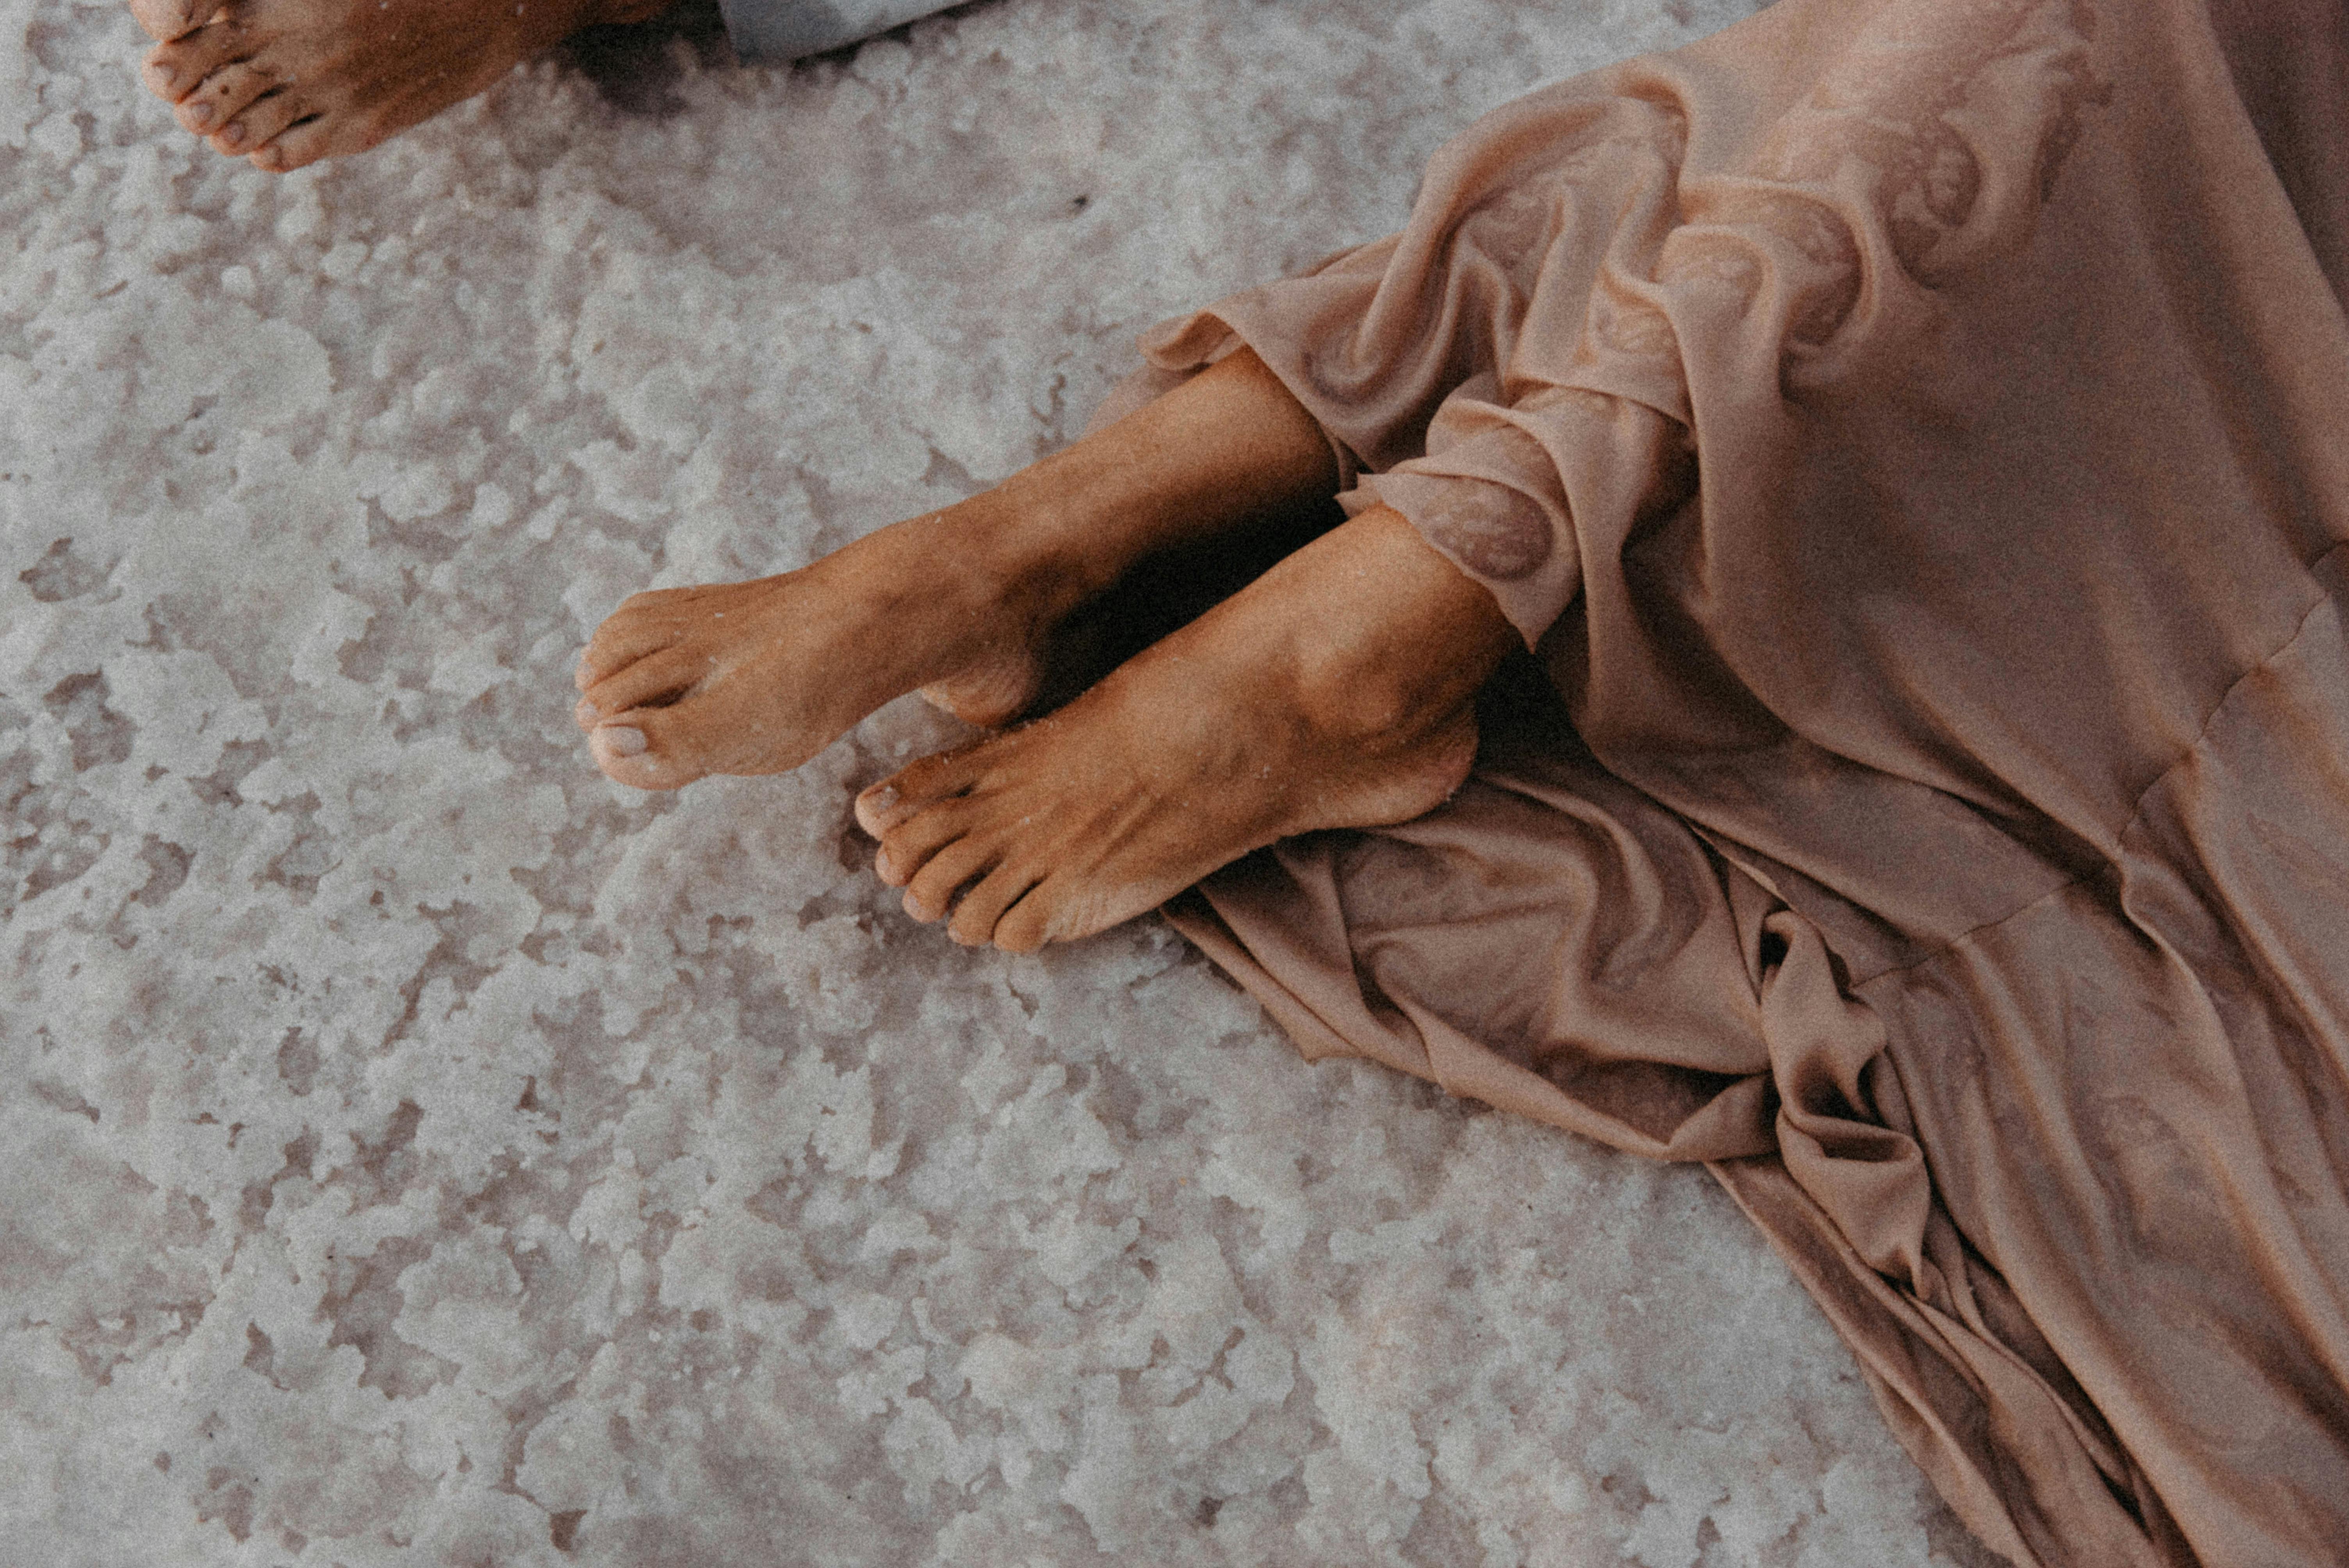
757,677
288,82
1337,690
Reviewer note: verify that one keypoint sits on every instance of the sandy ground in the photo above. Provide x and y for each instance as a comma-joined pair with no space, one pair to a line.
417,1150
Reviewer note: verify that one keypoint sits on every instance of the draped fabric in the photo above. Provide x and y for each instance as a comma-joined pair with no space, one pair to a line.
1912,440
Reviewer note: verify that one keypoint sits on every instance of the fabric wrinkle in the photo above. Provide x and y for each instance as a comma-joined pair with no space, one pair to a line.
1906,435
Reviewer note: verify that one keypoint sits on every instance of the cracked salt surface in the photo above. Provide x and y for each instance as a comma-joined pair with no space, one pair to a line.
420,1152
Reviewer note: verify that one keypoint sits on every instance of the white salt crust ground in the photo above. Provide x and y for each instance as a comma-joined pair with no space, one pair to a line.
420,1152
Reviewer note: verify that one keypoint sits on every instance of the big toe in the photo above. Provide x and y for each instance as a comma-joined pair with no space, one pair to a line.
646,750
910,791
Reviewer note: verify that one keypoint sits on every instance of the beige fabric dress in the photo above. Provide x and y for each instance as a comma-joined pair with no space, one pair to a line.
1913,438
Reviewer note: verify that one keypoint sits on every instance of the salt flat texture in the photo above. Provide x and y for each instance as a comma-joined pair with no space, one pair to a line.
420,1151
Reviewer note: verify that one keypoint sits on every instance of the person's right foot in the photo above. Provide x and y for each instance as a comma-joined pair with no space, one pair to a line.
288,82
1337,691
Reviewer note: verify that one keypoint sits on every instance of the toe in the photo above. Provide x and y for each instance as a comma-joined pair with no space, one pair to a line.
165,20
877,807
980,913
259,121
175,70
648,752
932,890
911,789
1027,926
222,96
303,142
907,848
661,679
627,636
620,753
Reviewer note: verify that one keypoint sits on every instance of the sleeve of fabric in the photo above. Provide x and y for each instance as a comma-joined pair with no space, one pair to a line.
1284,322
777,30
1501,488
1479,363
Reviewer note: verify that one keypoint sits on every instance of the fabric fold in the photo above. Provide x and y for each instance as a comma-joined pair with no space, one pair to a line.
1912,438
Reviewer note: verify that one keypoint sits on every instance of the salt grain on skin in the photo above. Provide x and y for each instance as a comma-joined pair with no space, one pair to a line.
1154,1259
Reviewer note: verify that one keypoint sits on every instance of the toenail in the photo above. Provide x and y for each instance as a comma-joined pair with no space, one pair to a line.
200,115
624,740
234,136
162,78
586,712
881,867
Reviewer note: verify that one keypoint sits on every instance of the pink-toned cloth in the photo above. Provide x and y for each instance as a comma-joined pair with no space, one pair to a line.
1912,437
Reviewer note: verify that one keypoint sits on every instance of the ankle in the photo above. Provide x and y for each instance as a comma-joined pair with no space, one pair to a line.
1034,548
1368,698
1392,643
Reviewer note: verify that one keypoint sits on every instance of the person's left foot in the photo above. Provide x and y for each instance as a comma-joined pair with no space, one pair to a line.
1336,691
757,677
288,82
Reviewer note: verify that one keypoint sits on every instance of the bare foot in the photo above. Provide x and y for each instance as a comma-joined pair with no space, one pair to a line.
1337,690
967,604
288,82
757,677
